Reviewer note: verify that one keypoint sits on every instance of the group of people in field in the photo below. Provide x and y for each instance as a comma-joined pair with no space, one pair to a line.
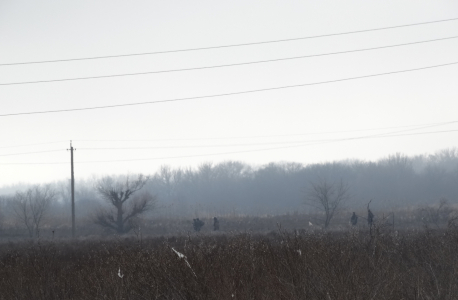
370,218
198,224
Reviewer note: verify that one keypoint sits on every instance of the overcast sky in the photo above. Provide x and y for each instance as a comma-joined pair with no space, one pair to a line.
301,124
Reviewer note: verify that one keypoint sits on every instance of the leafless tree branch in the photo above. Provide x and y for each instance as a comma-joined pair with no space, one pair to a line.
119,194
328,197
30,207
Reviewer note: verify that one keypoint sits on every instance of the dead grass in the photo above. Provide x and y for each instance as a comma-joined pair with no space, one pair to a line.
336,265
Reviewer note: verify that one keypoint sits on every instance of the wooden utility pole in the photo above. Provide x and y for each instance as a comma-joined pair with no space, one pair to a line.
73,190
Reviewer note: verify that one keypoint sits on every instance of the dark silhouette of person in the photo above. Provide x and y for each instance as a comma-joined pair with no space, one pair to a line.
215,224
354,219
197,224
370,217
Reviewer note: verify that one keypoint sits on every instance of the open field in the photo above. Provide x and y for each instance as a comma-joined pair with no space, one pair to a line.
420,264
414,218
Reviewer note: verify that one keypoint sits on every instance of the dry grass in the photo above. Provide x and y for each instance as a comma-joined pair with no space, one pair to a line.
433,216
349,265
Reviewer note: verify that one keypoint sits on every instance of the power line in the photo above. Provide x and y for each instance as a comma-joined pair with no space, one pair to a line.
417,127
218,66
221,66
226,46
26,145
385,135
259,144
227,94
199,146
275,148
33,163
35,152
275,135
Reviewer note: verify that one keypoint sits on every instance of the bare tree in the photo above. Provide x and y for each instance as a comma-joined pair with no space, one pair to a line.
327,197
119,193
436,214
30,207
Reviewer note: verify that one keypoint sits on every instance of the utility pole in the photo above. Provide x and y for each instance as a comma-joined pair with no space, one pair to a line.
73,190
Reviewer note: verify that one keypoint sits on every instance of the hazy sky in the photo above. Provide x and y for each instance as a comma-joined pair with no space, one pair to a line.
306,124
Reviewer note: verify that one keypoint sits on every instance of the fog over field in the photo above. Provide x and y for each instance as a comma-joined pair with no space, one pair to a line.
226,109
242,149
237,189
183,83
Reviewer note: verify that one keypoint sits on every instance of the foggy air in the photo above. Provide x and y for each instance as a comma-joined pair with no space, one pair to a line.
228,149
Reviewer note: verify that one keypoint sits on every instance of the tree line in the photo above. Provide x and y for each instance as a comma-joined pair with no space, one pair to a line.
277,188
238,188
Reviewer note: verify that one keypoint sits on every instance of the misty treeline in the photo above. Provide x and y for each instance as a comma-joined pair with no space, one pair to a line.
236,188
397,181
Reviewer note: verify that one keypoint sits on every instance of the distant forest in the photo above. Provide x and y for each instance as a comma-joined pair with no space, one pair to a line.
233,187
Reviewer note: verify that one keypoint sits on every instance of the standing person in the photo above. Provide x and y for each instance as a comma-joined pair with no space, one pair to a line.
370,217
354,219
197,224
215,224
